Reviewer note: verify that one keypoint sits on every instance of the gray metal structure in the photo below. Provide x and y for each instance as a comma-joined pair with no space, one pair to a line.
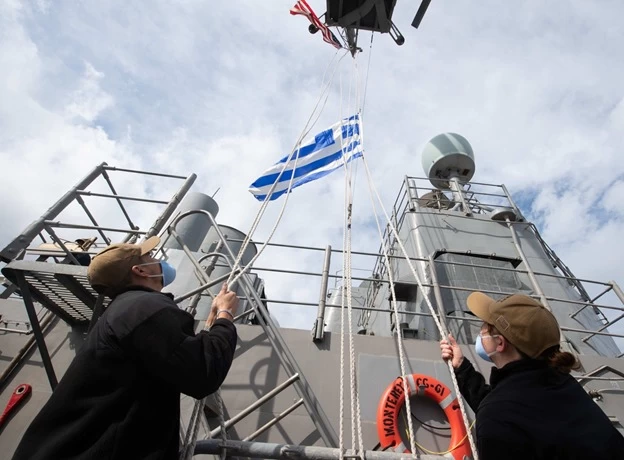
281,396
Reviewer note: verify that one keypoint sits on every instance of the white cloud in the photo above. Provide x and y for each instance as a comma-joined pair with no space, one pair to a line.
613,199
225,90
89,100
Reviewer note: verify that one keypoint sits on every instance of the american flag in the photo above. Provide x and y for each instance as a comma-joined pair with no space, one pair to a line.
302,7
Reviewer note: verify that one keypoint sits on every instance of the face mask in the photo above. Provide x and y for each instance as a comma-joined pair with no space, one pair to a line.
481,351
168,272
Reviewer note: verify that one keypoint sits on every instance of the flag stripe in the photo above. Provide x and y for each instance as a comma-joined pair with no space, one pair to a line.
321,141
302,7
319,156
305,169
311,177
312,152
324,140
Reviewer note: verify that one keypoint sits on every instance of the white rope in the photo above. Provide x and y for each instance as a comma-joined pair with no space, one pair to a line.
370,53
187,451
221,423
438,324
346,263
306,130
342,347
193,429
355,418
356,426
343,297
189,447
355,396
195,416
397,327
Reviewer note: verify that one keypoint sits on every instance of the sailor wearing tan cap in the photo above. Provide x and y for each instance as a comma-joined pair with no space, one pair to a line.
120,397
533,408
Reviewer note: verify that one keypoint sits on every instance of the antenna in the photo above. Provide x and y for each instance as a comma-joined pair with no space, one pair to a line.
446,157
420,14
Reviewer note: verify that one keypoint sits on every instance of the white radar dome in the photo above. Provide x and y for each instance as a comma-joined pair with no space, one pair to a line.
448,155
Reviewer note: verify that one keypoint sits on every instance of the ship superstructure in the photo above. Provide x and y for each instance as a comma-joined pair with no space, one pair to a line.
446,237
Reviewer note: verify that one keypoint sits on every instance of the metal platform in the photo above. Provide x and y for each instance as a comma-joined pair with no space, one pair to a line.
62,289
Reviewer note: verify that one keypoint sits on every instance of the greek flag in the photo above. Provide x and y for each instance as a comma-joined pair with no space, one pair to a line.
314,159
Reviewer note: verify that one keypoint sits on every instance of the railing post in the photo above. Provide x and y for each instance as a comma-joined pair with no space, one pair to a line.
618,291
511,201
408,190
536,286
171,207
318,332
458,193
34,322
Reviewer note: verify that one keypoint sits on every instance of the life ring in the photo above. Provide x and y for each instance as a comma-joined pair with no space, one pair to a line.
393,399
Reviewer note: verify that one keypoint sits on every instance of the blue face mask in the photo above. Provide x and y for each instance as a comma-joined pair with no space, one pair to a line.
481,351
168,272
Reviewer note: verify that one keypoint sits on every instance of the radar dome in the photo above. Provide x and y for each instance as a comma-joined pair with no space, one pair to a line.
448,155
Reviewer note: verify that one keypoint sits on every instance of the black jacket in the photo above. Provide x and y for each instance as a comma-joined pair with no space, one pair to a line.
120,397
531,411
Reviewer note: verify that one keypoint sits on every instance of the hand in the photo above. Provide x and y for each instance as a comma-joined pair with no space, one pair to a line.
225,300
450,350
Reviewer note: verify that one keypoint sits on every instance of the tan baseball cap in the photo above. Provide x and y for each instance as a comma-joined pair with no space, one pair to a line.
522,320
109,267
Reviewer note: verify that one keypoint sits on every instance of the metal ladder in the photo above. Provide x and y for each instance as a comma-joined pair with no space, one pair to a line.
287,360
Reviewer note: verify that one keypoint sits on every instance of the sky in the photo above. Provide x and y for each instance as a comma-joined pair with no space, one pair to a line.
224,89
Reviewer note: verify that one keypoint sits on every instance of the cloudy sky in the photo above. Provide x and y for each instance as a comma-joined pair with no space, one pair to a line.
224,91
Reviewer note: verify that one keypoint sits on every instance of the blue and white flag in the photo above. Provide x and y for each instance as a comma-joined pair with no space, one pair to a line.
316,158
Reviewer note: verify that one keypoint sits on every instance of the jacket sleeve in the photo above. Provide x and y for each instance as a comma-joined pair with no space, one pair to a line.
471,384
165,347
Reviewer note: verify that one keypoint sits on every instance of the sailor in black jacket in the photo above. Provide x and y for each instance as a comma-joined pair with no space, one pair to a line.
120,397
533,408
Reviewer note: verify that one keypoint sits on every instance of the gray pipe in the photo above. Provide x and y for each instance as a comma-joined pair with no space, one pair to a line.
291,452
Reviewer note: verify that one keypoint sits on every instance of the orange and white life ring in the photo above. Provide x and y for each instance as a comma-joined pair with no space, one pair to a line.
393,399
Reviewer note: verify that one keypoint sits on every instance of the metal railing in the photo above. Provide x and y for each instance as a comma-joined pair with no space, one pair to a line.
381,280
62,247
